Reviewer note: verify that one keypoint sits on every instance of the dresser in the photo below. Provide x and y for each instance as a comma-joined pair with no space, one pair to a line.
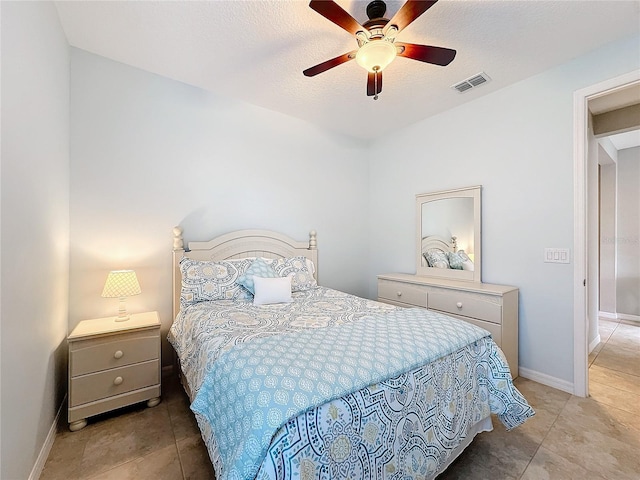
113,364
492,307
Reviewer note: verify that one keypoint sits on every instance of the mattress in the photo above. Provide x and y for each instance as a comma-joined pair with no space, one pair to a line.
411,421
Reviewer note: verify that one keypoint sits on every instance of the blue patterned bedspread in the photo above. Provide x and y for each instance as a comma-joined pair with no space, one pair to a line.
204,331
256,390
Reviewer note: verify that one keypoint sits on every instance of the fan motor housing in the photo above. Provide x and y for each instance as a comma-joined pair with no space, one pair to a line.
375,12
376,9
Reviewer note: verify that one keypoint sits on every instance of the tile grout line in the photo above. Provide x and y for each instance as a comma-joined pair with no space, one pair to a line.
545,436
175,442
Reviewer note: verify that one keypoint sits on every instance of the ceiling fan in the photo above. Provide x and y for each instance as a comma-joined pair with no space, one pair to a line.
377,46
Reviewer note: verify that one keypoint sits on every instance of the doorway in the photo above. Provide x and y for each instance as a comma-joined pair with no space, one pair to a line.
586,221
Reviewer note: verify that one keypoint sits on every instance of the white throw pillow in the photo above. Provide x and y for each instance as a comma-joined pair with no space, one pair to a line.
271,290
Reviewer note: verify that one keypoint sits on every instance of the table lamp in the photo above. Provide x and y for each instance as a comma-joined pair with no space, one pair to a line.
121,284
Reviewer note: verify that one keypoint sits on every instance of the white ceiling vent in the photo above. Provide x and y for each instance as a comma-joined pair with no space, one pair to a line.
471,82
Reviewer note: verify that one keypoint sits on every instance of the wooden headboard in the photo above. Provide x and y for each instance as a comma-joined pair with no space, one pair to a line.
239,244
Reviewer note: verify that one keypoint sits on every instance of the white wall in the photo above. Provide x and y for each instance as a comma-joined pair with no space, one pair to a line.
518,144
35,229
607,158
148,153
592,214
628,235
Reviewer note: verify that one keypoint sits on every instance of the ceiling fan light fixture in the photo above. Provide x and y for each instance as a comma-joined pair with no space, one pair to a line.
376,55
376,39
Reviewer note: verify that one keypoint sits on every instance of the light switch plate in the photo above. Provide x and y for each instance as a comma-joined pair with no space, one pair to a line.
557,255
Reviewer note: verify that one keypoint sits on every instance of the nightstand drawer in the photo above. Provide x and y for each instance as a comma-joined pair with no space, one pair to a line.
99,354
404,293
465,306
96,386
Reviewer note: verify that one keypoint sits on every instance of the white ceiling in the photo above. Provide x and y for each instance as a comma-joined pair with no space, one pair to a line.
625,140
255,51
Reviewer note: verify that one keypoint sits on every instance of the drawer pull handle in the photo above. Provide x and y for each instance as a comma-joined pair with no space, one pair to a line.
399,294
118,354
459,304
118,381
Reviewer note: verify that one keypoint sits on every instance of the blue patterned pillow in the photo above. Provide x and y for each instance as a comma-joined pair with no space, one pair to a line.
259,268
457,259
436,258
203,281
297,268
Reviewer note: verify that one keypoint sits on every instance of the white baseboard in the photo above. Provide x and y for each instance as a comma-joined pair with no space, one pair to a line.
546,380
36,471
594,343
626,316
620,316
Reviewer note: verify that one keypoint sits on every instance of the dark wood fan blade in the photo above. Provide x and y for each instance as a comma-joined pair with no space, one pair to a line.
425,53
334,62
374,85
334,12
411,10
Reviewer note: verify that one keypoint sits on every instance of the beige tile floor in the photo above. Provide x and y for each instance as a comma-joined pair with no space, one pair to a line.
134,443
569,438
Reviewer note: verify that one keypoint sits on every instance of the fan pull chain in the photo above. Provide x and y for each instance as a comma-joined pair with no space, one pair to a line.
375,82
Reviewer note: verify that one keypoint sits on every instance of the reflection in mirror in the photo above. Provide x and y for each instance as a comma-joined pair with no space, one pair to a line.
452,219
448,231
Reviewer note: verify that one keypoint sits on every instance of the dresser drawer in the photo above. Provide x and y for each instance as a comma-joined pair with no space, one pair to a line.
465,306
493,328
96,386
99,354
402,292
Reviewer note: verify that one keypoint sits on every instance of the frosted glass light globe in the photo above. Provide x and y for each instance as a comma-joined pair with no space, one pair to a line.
376,53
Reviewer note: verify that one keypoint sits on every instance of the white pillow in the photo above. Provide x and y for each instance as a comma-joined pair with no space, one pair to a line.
468,265
271,290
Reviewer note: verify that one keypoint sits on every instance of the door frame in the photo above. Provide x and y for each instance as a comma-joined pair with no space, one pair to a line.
581,242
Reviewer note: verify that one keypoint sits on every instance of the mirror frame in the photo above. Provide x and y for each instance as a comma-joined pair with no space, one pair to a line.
466,275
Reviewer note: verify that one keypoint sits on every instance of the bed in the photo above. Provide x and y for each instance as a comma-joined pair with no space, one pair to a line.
315,383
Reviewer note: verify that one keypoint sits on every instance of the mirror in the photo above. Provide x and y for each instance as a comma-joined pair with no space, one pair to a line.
448,234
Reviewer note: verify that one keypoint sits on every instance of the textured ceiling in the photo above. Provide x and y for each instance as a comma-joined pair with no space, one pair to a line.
255,51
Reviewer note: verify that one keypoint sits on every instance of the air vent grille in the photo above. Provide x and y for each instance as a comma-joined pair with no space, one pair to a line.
471,82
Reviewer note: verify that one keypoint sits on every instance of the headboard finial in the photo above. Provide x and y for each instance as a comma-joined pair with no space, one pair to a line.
178,243
313,241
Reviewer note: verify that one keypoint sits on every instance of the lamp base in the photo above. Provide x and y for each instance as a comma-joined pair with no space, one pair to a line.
122,311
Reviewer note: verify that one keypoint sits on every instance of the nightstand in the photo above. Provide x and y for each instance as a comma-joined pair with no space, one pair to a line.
112,365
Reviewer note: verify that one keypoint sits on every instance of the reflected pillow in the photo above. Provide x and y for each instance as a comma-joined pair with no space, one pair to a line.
436,258
457,259
271,290
258,268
